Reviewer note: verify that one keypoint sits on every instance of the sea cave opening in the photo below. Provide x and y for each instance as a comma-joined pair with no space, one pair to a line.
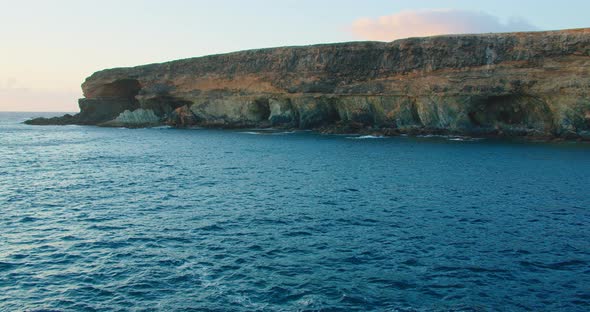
122,88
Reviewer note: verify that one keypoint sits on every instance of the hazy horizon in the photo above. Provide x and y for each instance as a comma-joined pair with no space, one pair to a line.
51,50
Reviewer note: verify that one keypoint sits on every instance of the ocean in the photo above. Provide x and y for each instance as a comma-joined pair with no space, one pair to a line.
161,219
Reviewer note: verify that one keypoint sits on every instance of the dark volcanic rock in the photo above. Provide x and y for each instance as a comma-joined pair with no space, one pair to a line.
514,84
67,119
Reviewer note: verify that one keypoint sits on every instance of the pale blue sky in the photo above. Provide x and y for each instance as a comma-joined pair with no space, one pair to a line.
49,47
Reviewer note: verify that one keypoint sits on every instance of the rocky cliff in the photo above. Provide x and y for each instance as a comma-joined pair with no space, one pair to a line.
516,84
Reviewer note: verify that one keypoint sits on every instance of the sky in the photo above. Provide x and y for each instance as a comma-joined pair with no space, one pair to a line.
48,47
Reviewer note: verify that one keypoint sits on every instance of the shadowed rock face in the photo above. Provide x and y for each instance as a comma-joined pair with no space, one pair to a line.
514,84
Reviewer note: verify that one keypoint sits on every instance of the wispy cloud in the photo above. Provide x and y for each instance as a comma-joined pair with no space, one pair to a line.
34,100
19,97
421,23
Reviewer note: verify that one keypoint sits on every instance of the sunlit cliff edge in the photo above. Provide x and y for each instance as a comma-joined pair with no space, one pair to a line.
533,84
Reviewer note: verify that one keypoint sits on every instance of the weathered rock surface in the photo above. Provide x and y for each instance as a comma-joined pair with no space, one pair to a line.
137,118
514,84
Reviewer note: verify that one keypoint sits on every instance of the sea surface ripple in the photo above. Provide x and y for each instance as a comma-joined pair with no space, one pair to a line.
96,219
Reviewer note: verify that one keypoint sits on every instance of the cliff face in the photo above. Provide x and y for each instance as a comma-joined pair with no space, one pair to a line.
519,84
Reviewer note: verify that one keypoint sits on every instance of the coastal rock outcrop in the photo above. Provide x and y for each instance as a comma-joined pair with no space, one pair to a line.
138,118
513,84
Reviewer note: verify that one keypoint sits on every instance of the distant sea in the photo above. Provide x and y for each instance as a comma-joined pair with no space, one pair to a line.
106,219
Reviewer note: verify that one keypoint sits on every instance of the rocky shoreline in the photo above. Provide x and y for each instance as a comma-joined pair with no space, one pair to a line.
531,85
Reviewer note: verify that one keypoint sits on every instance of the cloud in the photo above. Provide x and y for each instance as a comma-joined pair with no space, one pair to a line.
422,23
35,100
20,97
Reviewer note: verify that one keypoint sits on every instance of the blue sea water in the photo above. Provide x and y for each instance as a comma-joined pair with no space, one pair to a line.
99,219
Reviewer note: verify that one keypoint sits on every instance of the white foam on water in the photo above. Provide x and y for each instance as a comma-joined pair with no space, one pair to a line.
283,133
367,137
463,139
250,132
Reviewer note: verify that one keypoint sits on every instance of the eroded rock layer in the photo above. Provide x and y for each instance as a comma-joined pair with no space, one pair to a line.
516,84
